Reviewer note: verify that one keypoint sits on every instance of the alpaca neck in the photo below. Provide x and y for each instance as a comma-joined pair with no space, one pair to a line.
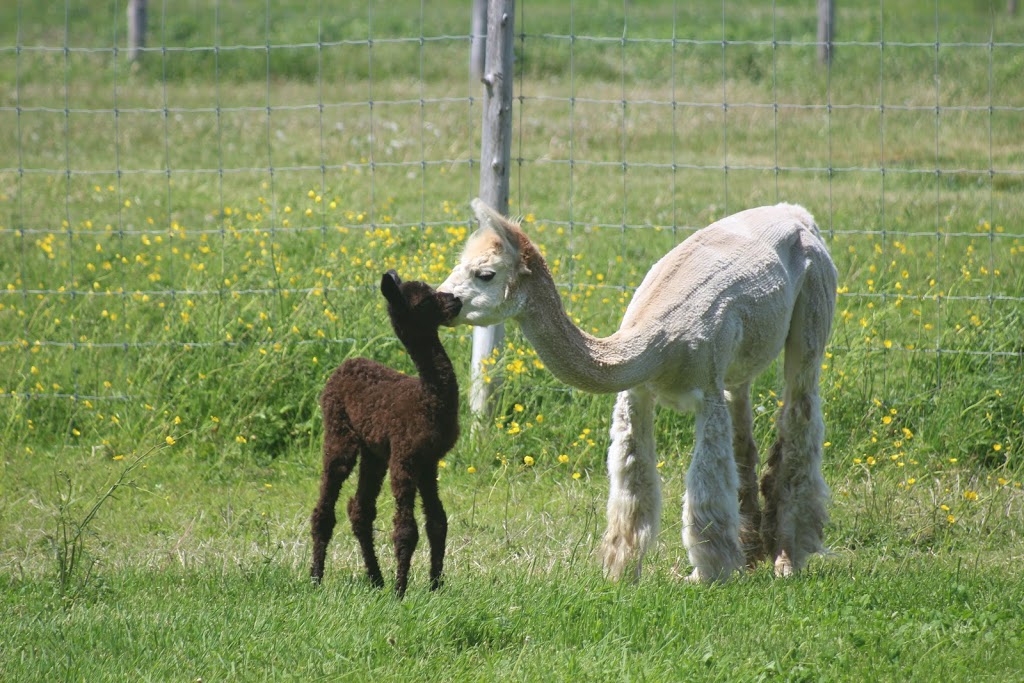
600,365
433,365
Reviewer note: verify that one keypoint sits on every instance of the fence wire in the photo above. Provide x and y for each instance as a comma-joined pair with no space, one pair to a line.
926,151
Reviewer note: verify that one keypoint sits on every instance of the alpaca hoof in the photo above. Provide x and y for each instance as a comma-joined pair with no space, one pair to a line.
783,566
436,584
721,576
694,577
618,554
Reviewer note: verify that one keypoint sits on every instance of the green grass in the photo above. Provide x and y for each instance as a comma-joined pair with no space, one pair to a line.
565,624
173,287
205,575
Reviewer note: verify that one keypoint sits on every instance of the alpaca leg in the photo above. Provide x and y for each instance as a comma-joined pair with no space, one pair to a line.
771,490
362,511
340,451
745,452
796,495
436,524
711,503
405,535
634,497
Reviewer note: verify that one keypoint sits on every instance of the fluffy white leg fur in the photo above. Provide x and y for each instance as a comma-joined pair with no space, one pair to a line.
634,498
711,523
796,495
744,449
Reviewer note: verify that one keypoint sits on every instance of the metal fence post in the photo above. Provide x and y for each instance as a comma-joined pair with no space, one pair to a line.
495,155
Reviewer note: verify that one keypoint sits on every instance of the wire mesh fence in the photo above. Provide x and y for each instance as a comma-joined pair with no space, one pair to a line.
242,183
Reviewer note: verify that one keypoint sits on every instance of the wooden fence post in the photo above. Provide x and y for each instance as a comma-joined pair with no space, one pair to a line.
478,38
495,156
136,28
826,30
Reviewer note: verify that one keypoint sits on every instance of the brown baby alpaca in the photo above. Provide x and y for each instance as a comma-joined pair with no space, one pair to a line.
391,422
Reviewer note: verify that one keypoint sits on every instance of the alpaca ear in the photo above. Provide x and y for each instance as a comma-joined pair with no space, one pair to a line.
510,233
488,217
389,287
492,220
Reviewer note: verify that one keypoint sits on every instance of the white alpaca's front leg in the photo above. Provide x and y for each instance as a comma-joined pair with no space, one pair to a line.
711,520
634,496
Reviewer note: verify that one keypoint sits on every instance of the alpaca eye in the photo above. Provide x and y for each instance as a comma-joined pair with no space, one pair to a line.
486,275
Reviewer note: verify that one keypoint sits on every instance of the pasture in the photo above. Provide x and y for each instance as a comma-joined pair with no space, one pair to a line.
189,246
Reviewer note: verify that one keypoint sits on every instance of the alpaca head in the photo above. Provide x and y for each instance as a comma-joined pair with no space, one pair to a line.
415,307
490,271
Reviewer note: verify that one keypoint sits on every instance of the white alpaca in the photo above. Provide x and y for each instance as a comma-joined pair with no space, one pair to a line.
708,317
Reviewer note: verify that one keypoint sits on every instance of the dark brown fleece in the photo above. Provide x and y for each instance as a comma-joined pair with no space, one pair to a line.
394,423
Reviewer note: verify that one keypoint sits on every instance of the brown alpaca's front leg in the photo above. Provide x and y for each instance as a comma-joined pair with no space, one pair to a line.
362,511
436,523
405,535
339,458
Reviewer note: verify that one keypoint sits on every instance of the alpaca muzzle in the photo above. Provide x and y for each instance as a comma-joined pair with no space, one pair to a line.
451,305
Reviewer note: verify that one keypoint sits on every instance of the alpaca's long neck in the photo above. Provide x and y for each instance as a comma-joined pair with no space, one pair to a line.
433,365
601,365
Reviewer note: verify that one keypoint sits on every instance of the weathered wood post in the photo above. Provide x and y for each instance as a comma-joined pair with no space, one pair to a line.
136,28
495,155
826,30
478,40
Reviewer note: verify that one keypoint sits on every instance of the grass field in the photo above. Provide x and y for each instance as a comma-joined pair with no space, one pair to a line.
189,246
